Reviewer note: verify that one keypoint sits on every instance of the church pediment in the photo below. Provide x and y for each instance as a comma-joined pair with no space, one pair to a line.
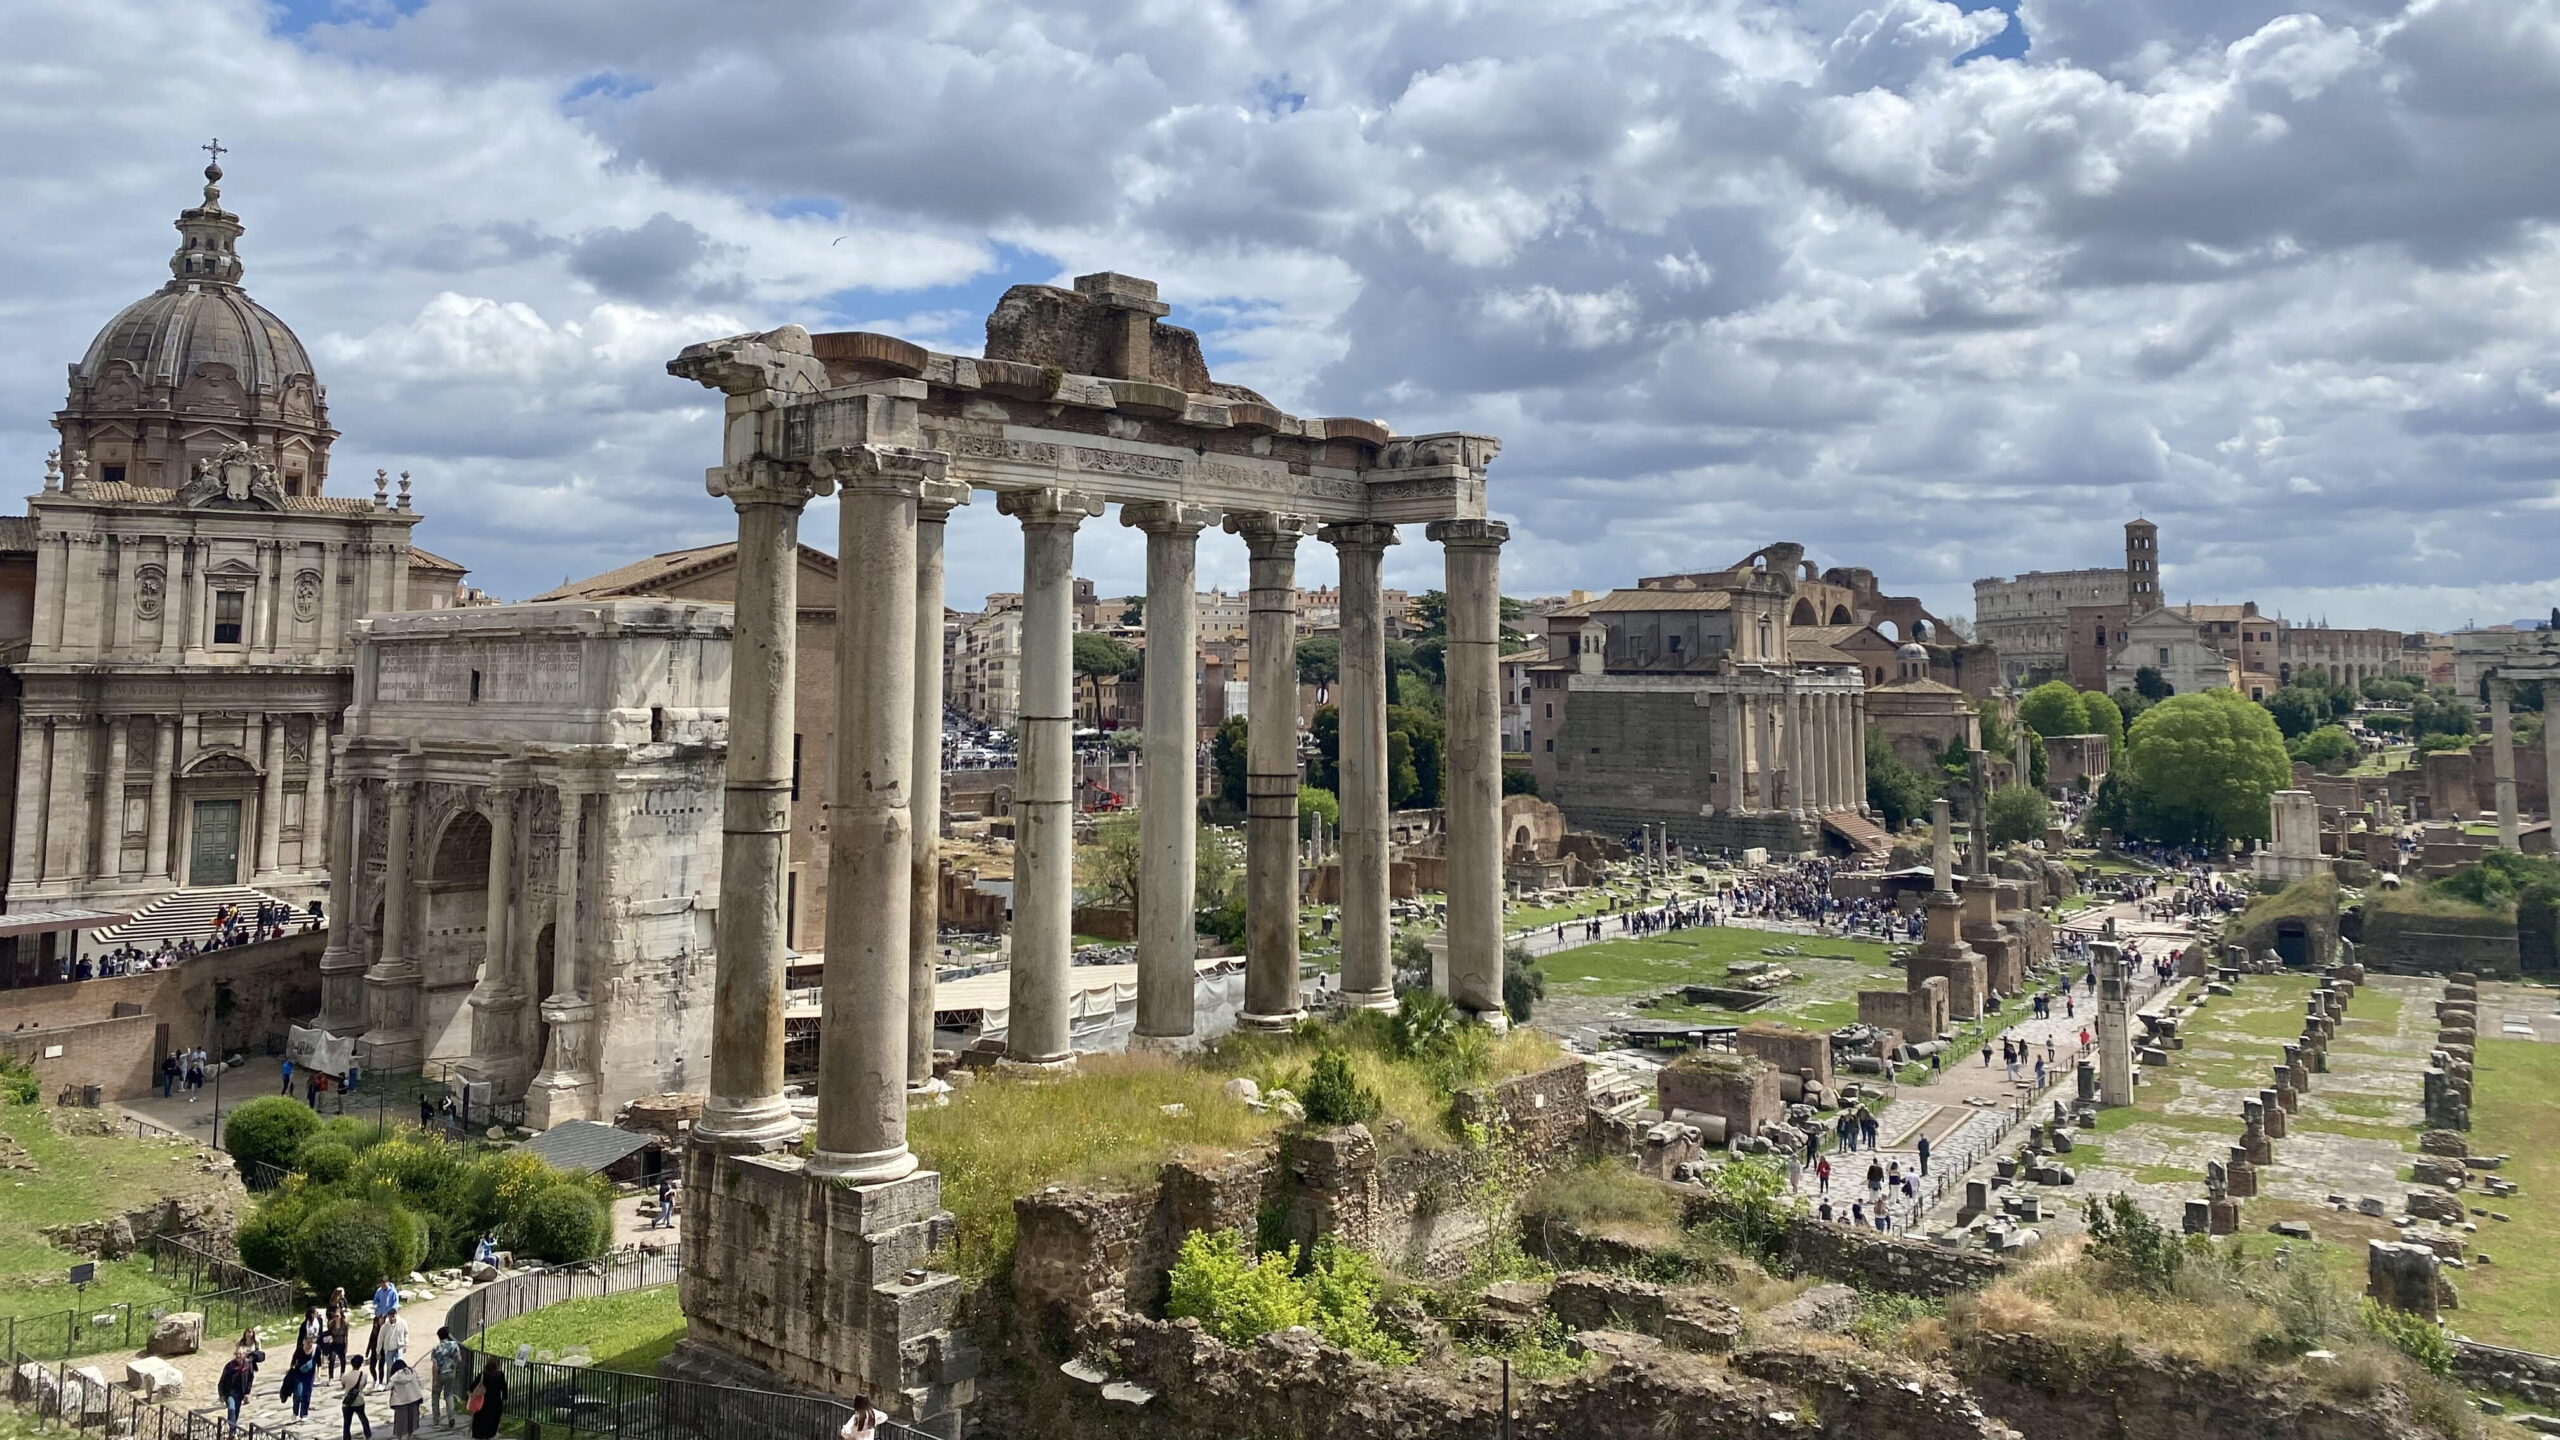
236,479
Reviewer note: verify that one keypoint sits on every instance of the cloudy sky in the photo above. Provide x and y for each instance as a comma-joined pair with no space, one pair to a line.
1945,293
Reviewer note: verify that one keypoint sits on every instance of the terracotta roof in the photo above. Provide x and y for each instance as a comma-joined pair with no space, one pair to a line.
1814,652
1531,654
1623,602
644,577
1831,634
430,560
1922,685
2214,612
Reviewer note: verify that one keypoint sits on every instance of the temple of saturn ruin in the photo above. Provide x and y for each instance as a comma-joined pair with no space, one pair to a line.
1085,398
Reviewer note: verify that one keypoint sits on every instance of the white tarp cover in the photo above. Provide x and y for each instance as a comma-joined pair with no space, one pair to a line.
311,1048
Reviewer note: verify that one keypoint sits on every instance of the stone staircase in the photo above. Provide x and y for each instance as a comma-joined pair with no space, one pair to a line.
180,915
1864,836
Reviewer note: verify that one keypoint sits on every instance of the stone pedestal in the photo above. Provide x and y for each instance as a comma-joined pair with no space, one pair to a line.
2272,1104
808,1284
2225,1215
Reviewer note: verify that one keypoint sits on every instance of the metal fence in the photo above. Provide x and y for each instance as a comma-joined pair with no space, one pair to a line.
620,1273
207,1276
65,1400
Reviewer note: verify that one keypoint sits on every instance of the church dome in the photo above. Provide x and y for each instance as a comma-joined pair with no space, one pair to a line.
1913,650
194,367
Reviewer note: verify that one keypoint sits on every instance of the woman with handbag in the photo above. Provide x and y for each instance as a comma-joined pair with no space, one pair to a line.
488,1402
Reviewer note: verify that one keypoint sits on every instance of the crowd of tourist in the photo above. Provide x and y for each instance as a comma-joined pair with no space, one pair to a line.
233,926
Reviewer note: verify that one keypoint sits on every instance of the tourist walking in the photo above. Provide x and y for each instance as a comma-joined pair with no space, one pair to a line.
334,1348
351,1405
298,1376
405,1394
233,1388
390,1344
1924,1154
863,1423
288,1076
488,1402
445,1363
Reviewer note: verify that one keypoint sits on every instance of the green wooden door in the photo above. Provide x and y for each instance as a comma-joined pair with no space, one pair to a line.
213,848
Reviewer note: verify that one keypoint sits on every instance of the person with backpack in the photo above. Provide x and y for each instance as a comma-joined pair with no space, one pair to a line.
168,1075
445,1367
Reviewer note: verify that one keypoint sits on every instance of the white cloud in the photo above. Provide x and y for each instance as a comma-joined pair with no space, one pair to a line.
2280,274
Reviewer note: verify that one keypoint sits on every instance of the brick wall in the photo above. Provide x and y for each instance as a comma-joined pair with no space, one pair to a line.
119,1055
271,986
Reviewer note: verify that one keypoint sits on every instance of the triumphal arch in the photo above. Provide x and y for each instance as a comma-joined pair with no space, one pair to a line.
812,1268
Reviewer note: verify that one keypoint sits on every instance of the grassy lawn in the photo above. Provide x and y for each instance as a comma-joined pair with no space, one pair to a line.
71,1178
2515,1300
1700,953
630,1332
1590,902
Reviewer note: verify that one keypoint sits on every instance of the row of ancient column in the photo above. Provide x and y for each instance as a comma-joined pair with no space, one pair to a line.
1796,750
53,780
877,1002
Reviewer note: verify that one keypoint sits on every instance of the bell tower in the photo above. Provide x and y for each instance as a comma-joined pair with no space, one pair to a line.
2141,568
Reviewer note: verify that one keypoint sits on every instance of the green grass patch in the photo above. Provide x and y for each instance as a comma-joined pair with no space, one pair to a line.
2375,1004
76,1178
1594,901
2348,1102
1106,1125
1701,953
2516,1300
630,1332
2167,1175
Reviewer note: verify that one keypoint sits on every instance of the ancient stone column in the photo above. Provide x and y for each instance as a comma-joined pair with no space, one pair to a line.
1473,818
1774,790
1168,834
1044,791
1799,752
1368,965
562,1091
1738,748
497,1002
745,1110
315,795
935,500
1858,750
111,803
871,851
2502,762
164,760
756,375
342,966
1942,849
1271,771
2115,1024
392,1040
271,799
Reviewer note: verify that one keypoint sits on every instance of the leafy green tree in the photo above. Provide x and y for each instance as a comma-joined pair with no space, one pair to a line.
268,1131
2018,814
1319,661
1431,612
2387,690
1427,737
1996,738
2130,704
1213,869
1313,803
1519,780
2101,715
1523,983
1404,779
2151,685
1894,788
2053,708
1324,752
2440,712
2298,710
1226,762
2202,766
1110,868
565,1224
1135,611
1098,654
2328,748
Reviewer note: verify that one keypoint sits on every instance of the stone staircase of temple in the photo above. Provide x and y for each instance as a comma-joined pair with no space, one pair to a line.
180,915
1864,836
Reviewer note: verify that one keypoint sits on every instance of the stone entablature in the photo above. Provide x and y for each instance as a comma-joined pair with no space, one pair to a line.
532,843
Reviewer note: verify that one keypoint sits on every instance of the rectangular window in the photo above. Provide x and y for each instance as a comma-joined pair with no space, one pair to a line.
2164,655
1551,745
228,606
113,474
475,685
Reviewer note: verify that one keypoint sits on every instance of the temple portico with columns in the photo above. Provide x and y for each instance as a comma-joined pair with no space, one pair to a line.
1083,400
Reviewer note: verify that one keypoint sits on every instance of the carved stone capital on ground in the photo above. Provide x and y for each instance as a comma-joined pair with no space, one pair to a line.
900,470
768,482
1468,534
1363,536
1050,505
1168,517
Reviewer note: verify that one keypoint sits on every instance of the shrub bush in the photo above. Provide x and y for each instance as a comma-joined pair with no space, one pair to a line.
1523,984
17,1082
266,1239
1332,1095
353,1245
268,1131
2138,1249
1234,1295
564,1223
324,1161
2420,1340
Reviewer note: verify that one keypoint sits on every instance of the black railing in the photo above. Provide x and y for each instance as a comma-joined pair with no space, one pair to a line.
504,1300
77,1332
208,1276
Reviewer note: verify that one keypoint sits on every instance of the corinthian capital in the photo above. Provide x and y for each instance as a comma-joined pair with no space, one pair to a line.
1468,534
1049,505
1267,532
881,469
767,482
1362,535
1168,517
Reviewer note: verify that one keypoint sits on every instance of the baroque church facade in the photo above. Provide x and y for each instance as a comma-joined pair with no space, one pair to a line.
179,605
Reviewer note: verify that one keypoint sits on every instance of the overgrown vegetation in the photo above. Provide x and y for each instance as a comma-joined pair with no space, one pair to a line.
1238,1296
2133,1247
358,1204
